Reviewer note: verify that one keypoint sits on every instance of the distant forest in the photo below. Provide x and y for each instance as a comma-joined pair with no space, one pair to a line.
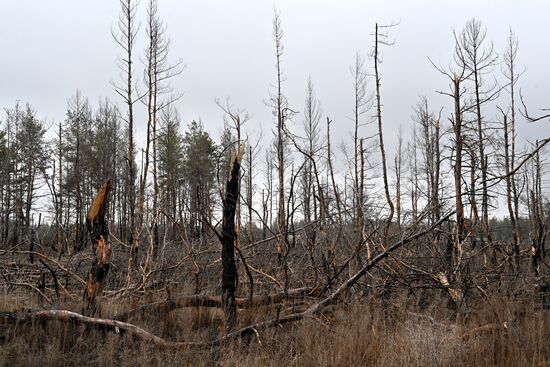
191,221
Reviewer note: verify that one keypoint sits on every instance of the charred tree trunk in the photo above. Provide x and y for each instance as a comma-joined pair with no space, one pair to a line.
99,234
229,269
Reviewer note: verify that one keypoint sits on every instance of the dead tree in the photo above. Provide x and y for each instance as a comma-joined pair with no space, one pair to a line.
398,162
231,226
536,211
279,103
58,196
229,272
510,192
456,91
267,193
249,165
157,78
99,234
457,169
335,189
479,61
311,147
381,39
360,107
127,32
509,71
430,147
412,149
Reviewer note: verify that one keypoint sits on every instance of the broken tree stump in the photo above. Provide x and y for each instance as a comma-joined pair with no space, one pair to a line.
229,269
99,234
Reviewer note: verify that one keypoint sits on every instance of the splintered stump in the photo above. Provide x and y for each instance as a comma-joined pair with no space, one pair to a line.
229,269
99,234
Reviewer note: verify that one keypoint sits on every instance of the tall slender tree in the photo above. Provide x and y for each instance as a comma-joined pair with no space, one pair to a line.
479,60
280,105
360,108
125,37
380,39
509,70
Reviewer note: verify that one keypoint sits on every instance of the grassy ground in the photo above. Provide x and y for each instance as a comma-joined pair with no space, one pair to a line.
497,332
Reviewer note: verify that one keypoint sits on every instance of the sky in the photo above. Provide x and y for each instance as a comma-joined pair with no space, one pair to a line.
49,49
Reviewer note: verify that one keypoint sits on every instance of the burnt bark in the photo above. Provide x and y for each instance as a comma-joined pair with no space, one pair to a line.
99,234
229,269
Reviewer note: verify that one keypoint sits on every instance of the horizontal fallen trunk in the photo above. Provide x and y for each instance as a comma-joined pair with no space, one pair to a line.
118,327
216,302
124,327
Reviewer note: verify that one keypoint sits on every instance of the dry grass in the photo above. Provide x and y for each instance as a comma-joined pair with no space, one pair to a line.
361,333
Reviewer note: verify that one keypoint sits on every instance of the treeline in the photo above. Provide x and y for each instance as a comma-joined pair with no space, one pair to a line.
50,182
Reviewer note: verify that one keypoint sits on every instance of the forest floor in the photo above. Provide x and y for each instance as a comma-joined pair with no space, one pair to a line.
359,331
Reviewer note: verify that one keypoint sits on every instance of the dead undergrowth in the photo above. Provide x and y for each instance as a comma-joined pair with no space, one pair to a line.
355,332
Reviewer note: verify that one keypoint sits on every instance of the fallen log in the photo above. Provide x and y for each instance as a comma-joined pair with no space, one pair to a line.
121,327
215,302
118,327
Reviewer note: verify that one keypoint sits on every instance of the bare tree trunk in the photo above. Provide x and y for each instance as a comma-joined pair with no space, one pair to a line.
381,136
474,212
541,217
509,192
362,190
359,108
79,202
156,82
398,160
478,61
229,272
538,233
151,108
486,233
510,145
413,162
331,173
126,40
279,105
437,165
250,194
459,207
59,217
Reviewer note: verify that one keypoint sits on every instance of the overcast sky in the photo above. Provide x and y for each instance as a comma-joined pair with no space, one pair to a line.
51,48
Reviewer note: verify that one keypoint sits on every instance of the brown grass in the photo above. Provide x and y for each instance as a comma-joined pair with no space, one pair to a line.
368,332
